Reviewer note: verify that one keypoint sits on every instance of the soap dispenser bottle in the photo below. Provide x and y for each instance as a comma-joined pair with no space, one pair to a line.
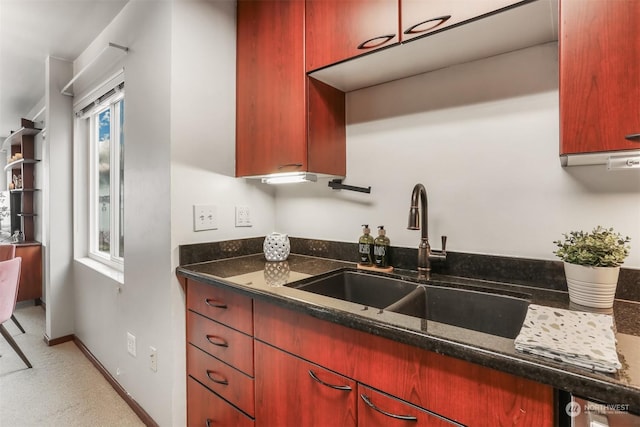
365,246
381,248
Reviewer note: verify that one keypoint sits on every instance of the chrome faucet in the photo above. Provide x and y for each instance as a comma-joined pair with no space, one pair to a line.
425,253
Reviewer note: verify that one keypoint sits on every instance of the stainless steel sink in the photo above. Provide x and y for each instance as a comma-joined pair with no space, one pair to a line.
480,311
360,288
493,314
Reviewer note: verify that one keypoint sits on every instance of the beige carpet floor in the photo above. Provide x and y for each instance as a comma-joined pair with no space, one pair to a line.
62,389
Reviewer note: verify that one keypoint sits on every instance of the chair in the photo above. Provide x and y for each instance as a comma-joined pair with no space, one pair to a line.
9,282
9,252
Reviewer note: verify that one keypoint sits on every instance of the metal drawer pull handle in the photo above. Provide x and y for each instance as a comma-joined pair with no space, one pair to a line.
336,387
388,414
634,137
367,44
288,165
213,303
223,381
437,22
220,342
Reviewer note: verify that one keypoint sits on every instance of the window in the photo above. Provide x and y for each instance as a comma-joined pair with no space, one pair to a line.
106,178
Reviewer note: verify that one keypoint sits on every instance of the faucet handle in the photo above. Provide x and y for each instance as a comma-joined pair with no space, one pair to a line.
444,243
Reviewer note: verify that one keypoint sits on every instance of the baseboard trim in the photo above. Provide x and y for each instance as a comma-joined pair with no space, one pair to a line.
140,412
51,342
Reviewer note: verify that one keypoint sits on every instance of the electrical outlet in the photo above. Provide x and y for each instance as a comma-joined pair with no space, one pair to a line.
243,216
205,217
131,344
153,359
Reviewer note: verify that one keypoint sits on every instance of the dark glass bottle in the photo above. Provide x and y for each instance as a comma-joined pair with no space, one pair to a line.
365,246
381,248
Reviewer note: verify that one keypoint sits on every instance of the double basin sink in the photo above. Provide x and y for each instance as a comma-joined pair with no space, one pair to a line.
481,311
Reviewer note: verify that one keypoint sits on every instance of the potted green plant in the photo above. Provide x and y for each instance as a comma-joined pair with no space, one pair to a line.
592,264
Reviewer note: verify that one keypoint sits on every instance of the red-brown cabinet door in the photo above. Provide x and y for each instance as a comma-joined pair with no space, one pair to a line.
377,409
599,75
420,17
30,272
271,110
341,29
293,392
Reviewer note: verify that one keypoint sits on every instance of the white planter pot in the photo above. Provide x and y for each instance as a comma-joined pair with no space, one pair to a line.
591,286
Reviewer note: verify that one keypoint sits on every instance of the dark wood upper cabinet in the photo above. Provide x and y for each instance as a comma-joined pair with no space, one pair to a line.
419,17
599,75
285,121
341,29
270,89
337,30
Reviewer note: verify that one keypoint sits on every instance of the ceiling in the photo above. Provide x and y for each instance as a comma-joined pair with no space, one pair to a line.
32,30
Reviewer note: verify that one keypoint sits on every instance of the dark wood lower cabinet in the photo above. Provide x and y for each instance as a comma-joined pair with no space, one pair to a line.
298,370
31,271
377,409
220,381
293,392
467,393
206,409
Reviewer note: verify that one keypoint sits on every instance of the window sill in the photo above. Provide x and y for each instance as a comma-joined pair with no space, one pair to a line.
103,269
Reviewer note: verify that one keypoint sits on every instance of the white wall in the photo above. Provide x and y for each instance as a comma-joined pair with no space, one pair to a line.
203,127
57,200
143,307
180,139
203,148
483,138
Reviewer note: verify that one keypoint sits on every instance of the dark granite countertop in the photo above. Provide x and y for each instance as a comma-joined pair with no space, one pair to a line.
253,276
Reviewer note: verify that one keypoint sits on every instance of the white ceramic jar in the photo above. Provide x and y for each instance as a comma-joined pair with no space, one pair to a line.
276,247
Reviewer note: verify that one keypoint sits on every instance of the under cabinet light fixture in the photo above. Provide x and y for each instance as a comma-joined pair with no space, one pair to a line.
618,163
289,178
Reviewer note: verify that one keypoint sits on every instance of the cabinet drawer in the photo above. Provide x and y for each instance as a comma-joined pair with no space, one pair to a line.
222,305
205,409
379,409
231,384
228,345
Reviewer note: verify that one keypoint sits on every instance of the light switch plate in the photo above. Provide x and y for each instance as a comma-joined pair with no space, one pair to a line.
243,216
205,217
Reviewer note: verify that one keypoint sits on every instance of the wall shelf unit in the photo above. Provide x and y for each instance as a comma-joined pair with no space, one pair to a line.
16,137
20,151
20,170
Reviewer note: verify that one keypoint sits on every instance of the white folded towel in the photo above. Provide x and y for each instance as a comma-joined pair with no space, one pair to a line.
578,338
